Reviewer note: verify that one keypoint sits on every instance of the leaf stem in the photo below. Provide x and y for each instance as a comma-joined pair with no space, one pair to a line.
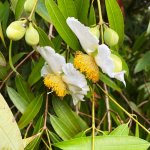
100,20
32,12
130,115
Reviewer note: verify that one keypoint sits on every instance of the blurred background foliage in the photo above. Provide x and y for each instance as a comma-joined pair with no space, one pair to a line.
135,97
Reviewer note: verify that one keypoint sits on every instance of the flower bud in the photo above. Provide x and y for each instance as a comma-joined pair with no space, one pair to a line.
117,63
28,5
95,31
16,30
31,35
111,37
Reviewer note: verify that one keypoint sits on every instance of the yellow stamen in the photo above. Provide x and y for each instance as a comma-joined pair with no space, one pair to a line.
56,84
86,64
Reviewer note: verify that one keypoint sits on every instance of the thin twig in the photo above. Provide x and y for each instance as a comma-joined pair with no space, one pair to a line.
107,107
17,66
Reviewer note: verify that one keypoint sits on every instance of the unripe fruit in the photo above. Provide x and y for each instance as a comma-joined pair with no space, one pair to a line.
28,5
31,35
111,37
117,63
16,30
95,31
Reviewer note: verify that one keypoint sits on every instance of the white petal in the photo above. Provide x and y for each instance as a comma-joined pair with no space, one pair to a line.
88,41
76,82
104,61
54,60
45,70
76,98
120,76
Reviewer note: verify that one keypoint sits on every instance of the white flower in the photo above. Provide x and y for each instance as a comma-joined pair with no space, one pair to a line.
62,77
91,44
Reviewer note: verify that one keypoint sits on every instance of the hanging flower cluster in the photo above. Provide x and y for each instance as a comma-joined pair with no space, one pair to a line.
97,55
62,77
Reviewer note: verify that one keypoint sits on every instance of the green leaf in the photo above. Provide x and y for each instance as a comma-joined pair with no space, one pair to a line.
13,5
82,7
105,143
67,8
42,11
143,63
2,60
24,89
31,111
121,130
54,137
19,9
73,120
92,17
20,103
36,72
44,40
59,21
10,136
109,82
62,129
115,18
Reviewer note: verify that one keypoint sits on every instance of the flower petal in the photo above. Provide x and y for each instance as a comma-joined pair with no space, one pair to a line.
76,82
88,41
54,60
120,76
103,60
45,70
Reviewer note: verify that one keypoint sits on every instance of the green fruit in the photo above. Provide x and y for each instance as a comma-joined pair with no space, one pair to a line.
16,30
117,63
95,31
28,5
111,37
31,35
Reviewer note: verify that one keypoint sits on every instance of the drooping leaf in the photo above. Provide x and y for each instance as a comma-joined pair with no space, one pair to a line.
115,18
42,11
143,63
60,24
92,17
67,7
82,7
10,136
62,129
20,103
2,35
13,5
36,72
24,89
105,143
19,9
121,130
30,112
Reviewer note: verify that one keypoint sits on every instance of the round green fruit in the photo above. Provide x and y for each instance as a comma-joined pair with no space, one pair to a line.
16,30
31,35
111,37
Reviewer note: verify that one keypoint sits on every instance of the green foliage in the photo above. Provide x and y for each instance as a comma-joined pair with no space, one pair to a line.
112,116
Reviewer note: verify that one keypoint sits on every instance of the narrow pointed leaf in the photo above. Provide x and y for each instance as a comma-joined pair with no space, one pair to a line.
59,21
115,18
18,100
31,111
2,60
10,136
121,130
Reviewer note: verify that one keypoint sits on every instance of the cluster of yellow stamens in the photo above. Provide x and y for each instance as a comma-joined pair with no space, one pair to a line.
56,84
86,64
